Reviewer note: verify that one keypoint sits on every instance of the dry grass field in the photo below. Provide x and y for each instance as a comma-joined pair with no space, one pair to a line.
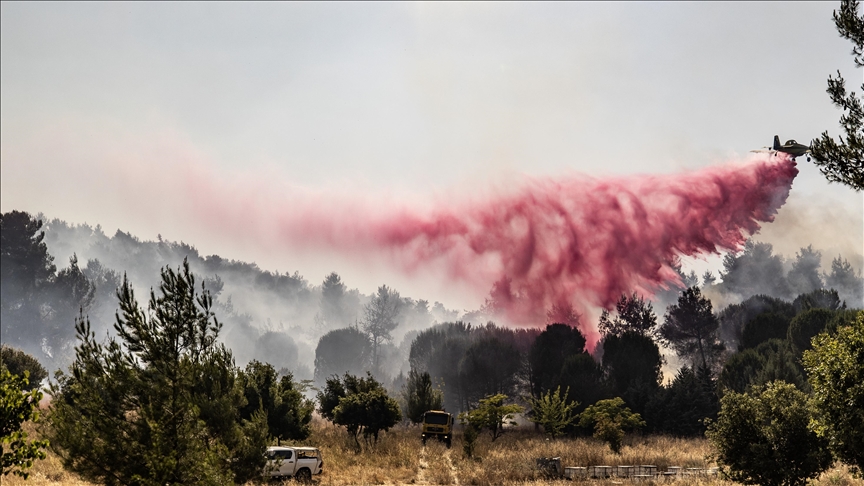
399,458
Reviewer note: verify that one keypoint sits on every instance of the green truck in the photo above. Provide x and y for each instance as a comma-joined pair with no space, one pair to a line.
437,424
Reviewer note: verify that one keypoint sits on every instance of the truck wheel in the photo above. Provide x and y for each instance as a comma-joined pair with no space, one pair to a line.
448,443
303,476
423,440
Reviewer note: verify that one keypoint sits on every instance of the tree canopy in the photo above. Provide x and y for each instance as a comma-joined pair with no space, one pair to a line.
609,419
361,405
634,313
835,369
842,160
18,405
690,328
18,363
492,413
762,438
379,319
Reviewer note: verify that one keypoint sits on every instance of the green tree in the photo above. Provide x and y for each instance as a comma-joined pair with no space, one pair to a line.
159,403
489,366
690,328
368,413
818,299
772,360
804,276
633,314
609,419
846,281
553,411
550,350
765,326
584,377
756,270
835,369
763,438
805,326
18,363
334,302
843,160
288,413
379,319
420,396
26,269
681,408
734,317
18,405
491,414
632,363
361,405
469,440
342,351
739,370
780,363
71,292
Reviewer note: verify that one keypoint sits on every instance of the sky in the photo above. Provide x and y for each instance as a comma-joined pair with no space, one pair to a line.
124,114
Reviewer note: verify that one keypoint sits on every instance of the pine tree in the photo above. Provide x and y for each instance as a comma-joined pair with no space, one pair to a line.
159,404
843,160
420,396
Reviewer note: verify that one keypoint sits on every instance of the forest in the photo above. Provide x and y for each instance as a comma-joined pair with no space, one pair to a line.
671,366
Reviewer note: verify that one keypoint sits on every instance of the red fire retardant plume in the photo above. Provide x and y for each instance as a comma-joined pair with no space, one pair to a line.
565,243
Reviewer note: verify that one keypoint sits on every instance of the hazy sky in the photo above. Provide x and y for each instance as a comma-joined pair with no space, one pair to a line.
108,109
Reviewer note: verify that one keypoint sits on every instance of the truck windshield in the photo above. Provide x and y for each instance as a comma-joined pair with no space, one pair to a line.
436,418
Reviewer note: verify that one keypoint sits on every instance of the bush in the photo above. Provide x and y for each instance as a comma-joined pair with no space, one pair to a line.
17,405
609,419
763,438
491,414
835,368
553,411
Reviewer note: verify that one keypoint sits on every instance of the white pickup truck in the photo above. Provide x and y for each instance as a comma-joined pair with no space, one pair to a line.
297,462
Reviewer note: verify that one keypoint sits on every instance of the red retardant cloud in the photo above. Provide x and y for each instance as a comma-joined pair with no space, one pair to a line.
559,244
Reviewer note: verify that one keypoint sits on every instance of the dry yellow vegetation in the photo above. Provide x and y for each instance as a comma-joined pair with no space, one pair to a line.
399,458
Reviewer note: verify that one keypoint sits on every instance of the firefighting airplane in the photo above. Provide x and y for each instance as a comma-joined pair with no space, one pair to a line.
791,147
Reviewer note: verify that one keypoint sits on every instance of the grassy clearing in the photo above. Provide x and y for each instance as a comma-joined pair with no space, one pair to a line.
399,458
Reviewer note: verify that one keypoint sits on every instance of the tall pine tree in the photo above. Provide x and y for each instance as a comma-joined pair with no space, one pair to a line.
159,404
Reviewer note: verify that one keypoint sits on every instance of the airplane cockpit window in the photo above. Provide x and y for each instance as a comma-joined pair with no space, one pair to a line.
791,142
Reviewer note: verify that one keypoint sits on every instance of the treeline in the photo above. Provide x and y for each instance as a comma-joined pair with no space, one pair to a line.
269,316
470,363
163,401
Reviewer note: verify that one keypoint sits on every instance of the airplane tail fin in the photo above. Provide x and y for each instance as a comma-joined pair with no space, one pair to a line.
776,142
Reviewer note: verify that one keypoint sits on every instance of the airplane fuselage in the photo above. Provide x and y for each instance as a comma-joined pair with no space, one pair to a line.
791,147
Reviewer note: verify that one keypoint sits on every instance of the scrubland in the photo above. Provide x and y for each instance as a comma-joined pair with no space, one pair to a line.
399,458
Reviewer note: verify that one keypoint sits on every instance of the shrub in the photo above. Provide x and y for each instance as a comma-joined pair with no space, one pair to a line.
762,438
609,419
17,405
553,411
491,414
835,368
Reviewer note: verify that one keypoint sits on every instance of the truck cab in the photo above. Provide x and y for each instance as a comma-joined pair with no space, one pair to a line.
439,425
297,462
